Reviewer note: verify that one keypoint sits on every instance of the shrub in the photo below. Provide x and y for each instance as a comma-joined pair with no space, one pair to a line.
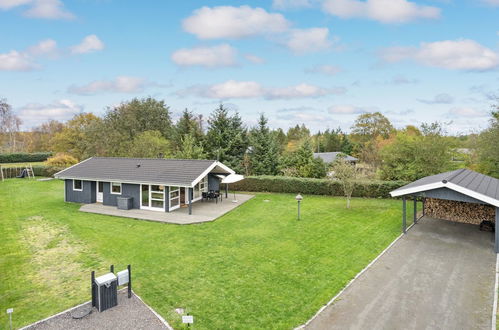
61,160
283,184
24,157
45,170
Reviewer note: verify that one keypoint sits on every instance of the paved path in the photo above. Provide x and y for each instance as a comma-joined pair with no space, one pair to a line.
201,211
440,275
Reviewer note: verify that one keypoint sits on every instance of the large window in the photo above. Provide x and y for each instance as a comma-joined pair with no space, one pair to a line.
78,185
116,188
174,197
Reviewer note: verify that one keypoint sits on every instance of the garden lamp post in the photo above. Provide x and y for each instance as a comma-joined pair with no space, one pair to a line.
299,199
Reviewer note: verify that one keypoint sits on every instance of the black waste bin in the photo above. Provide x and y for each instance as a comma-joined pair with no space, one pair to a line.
106,291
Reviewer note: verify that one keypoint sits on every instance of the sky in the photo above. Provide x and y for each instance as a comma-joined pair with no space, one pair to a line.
316,62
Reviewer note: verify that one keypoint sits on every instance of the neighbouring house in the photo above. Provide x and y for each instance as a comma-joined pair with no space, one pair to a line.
330,157
461,196
152,184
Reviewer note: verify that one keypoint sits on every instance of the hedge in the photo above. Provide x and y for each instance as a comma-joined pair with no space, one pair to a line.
24,157
283,184
44,170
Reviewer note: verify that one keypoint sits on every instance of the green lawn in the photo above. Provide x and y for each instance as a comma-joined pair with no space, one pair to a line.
255,267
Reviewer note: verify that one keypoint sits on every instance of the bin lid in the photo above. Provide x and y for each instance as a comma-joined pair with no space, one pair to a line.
105,279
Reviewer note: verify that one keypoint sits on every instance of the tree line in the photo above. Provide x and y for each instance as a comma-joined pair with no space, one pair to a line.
144,128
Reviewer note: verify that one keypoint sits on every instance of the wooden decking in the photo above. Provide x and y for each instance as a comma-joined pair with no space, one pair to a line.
201,211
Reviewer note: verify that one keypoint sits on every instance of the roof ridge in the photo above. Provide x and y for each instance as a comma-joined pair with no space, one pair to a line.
455,174
136,158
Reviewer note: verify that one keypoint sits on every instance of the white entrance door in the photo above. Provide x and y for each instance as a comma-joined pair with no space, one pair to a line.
100,192
152,197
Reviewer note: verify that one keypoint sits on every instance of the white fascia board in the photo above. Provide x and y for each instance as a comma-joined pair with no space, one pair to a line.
474,194
124,181
56,175
412,190
209,169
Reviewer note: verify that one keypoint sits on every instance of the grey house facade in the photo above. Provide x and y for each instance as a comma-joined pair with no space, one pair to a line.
153,184
461,185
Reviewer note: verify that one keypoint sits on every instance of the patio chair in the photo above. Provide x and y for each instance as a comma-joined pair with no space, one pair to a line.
204,195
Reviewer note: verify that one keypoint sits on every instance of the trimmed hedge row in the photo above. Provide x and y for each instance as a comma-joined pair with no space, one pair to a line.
283,184
44,170
24,157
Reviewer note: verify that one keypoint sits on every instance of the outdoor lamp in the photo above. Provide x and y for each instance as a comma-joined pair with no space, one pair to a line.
298,199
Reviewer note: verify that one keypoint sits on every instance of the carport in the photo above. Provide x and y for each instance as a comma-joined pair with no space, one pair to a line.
461,195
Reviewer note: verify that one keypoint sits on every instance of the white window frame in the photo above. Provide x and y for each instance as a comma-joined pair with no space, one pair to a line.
170,191
74,189
111,188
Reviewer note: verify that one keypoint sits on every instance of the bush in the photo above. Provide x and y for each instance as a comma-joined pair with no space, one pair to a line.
24,157
45,170
283,184
61,160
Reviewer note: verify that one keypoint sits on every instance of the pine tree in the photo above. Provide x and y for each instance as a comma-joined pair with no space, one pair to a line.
188,124
264,152
226,139
189,149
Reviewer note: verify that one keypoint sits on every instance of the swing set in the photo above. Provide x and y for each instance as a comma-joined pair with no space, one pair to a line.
19,172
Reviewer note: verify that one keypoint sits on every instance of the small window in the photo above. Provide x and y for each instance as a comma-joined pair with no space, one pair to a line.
115,188
77,185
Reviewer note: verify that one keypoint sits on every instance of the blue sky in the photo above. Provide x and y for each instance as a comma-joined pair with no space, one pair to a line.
320,63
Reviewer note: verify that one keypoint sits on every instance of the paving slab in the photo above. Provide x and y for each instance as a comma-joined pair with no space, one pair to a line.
440,275
201,211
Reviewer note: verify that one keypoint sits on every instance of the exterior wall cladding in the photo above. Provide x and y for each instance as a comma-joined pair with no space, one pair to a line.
86,196
127,189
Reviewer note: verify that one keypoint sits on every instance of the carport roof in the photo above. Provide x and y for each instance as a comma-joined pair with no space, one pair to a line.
174,172
470,183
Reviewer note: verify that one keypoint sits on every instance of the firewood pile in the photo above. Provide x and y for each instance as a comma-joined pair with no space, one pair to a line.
459,211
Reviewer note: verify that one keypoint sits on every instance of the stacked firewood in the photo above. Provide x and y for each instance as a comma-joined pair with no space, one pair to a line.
459,211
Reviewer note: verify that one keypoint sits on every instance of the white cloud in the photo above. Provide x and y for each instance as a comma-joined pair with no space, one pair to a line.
463,54
34,113
384,11
46,47
301,91
216,56
287,4
441,98
345,110
254,59
233,22
9,4
329,70
121,84
308,40
466,112
493,3
47,9
251,89
16,61
90,43
401,80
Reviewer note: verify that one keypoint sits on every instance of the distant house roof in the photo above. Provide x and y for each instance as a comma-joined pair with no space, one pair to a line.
173,172
330,157
481,187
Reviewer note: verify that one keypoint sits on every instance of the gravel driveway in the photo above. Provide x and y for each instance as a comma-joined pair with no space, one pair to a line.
440,275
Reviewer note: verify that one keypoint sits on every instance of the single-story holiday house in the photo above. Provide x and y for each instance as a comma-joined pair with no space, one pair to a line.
144,183
330,157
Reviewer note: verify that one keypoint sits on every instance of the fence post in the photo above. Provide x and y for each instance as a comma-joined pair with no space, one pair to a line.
129,281
92,280
111,269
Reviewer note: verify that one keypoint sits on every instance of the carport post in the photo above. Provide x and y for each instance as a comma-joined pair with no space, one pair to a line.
415,210
404,206
424,201
496,243
190,200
